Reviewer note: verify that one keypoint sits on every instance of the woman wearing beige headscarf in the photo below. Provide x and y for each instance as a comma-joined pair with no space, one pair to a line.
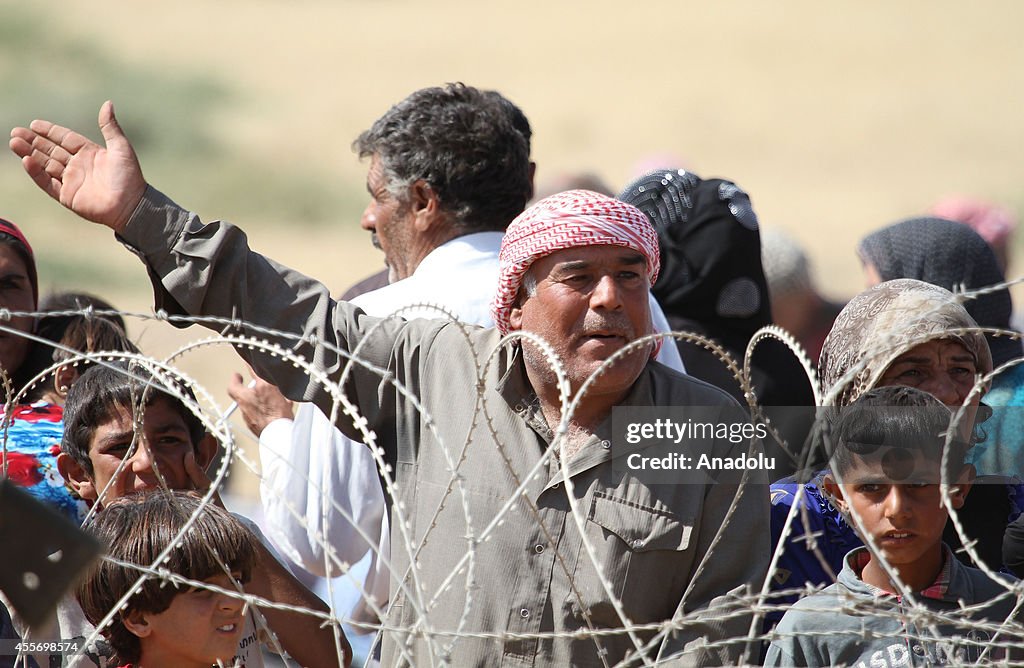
902,332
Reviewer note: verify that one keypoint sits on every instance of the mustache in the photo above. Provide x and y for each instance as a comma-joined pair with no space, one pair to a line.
375,240
614,322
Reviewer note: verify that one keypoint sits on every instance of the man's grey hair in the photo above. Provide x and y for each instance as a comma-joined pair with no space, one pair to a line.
528,286
470,146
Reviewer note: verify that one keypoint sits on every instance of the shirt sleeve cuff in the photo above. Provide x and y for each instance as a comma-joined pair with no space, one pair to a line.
155,226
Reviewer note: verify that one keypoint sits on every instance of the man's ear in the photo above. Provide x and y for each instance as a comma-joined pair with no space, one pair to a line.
426,206
136,623
834,490
76,476
515,319
958,492
206,450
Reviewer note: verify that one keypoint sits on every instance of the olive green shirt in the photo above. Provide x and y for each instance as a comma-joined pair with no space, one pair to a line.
488,561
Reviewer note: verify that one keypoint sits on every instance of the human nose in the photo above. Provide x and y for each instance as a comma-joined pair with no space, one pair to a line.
369,219
142,458
944,388
607,294
230,603
896,502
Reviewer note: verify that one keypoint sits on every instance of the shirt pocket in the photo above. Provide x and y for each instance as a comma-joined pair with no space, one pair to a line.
644,554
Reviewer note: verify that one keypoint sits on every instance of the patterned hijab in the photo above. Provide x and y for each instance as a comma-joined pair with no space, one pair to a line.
567,220
947,254
710,253
885,321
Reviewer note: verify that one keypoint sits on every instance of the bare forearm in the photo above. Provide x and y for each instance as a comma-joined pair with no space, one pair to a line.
303,636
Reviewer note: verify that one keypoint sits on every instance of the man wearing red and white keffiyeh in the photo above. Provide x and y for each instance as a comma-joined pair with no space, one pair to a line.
575,269
520,558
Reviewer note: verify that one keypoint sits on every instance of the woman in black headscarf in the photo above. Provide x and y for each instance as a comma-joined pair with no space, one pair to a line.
948,254
712,282
953,256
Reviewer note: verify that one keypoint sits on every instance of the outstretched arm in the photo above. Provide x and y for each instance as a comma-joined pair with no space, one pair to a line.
100,184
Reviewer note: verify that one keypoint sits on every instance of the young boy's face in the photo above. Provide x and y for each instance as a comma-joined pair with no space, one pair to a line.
903,513
162,443
199,628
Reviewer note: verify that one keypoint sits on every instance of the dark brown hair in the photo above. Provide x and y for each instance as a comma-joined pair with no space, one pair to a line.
99,393
136,529
79,332
896,421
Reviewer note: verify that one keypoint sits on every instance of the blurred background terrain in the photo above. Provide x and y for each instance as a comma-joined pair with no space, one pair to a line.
837,119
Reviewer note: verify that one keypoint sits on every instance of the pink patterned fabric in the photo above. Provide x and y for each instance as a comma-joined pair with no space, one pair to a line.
568,220
992,222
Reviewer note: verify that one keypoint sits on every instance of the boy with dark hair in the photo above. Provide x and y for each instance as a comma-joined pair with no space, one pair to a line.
125,433
888,476
99,432
150,628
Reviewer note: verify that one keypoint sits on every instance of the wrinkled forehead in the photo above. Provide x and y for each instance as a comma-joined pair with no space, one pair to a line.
595,256
940,326
375,170
937,349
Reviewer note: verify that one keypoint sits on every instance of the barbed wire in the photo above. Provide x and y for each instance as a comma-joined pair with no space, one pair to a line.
917,622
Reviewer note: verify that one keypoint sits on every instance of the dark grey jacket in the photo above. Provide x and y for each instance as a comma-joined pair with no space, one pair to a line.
852,623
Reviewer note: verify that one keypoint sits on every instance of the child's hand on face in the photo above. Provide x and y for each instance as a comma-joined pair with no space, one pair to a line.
197,478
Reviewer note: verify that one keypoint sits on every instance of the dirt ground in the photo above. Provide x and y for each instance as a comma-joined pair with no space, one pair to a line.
836,118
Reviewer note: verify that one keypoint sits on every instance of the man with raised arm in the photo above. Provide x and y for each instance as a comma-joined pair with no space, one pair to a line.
447,173
518,535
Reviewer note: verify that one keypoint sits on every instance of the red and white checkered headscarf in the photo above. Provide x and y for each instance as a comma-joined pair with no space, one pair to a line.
568,220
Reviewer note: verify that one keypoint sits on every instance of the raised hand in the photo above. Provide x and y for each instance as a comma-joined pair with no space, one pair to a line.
100,184
260,402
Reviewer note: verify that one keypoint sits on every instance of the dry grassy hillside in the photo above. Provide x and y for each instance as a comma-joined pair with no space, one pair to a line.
836,118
